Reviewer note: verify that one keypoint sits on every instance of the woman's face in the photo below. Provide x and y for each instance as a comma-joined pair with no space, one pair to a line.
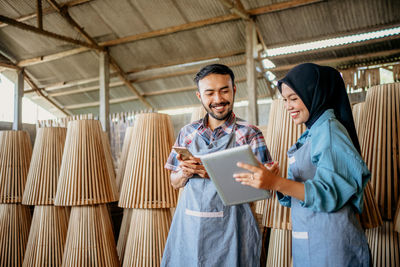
294,105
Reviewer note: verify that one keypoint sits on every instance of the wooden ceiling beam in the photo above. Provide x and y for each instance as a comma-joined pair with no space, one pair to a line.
120,73
178,28
63,85
45,11
30,28
126,99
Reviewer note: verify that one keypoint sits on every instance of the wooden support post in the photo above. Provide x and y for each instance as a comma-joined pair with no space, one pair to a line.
251,52
18,93
104,91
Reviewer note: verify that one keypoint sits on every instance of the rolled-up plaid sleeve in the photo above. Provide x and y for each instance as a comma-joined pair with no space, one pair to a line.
172,162
259,148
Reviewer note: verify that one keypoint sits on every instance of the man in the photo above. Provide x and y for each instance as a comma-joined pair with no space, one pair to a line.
204,232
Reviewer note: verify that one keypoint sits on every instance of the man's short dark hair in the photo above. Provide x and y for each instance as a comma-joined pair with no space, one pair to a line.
214,69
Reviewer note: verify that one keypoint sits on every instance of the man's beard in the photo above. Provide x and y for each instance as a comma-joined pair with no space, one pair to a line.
215,116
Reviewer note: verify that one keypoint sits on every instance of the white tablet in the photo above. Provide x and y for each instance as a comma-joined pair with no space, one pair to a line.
221,166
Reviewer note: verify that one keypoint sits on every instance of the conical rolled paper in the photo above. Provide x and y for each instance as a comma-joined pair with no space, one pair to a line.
41,184
123,234
90,239
15,156
147,236
380,140
281,133
47,236
15,220
124,157
146,182
85,175
280,248
384,243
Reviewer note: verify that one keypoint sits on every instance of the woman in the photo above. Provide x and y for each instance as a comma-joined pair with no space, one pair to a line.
326,175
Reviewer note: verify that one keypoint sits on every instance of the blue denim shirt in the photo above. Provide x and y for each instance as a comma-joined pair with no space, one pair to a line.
341,174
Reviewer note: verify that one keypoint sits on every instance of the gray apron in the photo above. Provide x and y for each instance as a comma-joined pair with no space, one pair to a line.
204,232
323,238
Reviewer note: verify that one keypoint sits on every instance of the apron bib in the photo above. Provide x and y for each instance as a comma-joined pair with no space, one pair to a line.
323,238
204,232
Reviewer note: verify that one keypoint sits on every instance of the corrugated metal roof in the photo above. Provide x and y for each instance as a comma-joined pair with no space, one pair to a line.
106,20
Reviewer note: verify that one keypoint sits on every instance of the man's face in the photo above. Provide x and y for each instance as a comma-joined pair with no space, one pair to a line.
217,94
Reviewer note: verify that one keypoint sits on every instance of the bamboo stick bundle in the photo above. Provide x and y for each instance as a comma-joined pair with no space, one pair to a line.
123,234
370,217
84,176
47,236
384,243
146,183
380,145
280,248
124,157
15,220
90,239
110,164
41,184
147,237
15,156
281,134
396,221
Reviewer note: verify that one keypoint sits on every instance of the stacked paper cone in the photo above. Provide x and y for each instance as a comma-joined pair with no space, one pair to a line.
147,191
49,224
85,182
15,219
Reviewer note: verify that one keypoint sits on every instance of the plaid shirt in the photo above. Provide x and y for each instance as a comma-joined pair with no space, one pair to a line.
245,134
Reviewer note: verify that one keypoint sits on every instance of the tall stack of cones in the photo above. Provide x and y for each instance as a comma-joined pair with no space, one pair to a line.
49,223
15,219
146,189
87,184
379,135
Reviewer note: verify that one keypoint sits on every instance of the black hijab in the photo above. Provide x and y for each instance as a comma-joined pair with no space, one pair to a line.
321,88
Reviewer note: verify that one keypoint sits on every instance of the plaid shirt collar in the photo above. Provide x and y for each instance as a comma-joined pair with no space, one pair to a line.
225,128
